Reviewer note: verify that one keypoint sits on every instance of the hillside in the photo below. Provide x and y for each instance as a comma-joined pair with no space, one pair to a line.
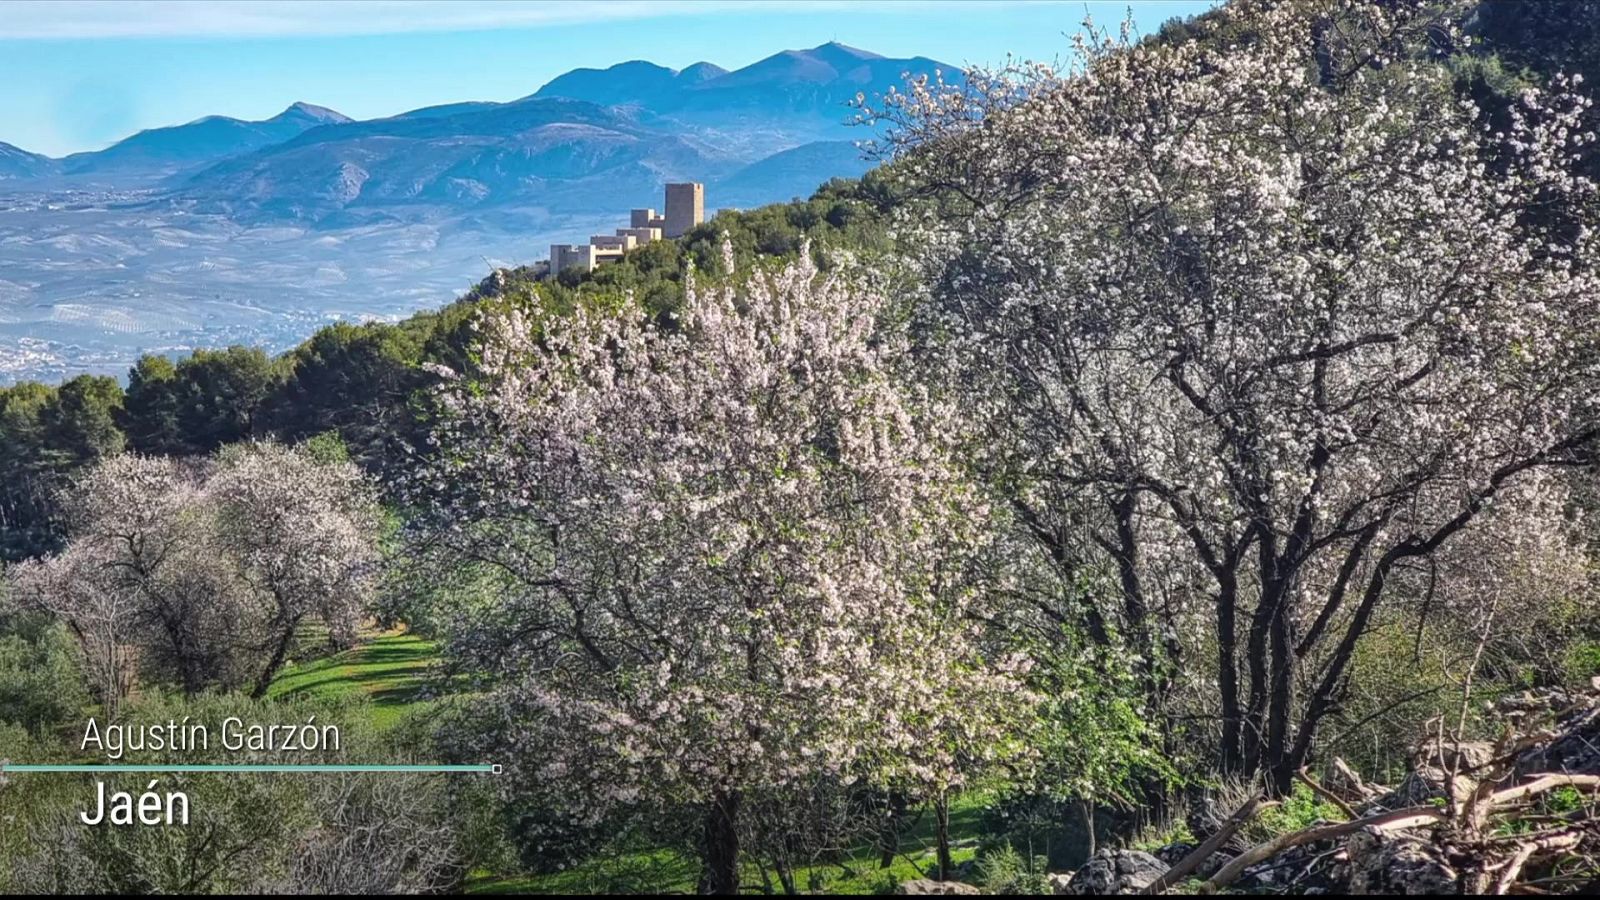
561,155
160,152
365,382
791,172
18,163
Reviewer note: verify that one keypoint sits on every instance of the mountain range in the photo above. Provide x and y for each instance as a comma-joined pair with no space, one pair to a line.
17,163
228,231
589,140
165,151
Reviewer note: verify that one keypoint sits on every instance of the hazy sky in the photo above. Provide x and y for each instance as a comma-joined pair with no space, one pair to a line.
81,75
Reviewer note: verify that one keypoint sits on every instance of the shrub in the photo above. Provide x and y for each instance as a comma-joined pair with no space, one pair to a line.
40,682
248,833
1002,870
1300,810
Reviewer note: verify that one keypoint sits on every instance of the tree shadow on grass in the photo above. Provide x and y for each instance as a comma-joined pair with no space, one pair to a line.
390,671
418,653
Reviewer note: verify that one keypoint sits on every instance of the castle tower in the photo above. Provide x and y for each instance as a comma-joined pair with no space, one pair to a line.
686,207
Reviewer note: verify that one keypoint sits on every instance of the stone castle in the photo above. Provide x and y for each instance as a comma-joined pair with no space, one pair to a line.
686,208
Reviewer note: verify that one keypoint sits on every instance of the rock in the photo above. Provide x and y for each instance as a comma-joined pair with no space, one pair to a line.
1116,872
1347,782
1575,750
1174,853
1398,864
923,886
1308,869
1171,853
1535,704
1205,817
1209,811
1059,881
1416,789
1438,761
1437,757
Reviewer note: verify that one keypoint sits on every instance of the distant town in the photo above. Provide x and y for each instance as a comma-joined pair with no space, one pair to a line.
685,208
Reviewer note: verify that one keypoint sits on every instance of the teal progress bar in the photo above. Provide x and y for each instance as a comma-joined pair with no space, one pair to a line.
245,767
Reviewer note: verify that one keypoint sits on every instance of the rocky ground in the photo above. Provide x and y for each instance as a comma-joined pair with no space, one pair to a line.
1521,815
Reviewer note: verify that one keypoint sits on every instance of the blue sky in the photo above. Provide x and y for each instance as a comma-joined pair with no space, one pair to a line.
81,75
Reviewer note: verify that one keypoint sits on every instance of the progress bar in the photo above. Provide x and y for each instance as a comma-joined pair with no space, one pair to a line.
242,767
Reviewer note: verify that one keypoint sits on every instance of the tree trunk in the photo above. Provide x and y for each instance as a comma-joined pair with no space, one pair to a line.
786,878
1323,698
721,851
941,832
889,833
1228,672
279,654
1087,808
1280,769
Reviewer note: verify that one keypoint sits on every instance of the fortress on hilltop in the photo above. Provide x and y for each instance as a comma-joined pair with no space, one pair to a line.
686,208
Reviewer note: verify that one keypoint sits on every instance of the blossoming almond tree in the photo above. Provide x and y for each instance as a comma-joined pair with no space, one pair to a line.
731,554
126,573
302,533
1259,319
206,570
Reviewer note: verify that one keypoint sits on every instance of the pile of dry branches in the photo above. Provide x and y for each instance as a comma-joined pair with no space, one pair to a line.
1493,832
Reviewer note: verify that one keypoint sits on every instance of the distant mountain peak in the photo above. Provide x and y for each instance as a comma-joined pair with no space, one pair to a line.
612,85
700,71
834,48
302,109
161,152
832,53
829,73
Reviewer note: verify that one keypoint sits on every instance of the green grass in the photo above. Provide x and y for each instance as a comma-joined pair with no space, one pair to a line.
390,671
661,871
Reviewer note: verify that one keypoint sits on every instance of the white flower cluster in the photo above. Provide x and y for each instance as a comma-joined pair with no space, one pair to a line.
1260,315
736,552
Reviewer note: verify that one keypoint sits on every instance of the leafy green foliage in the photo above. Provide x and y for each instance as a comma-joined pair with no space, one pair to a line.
1564,800
1300,810
46,434
1097,742
80,426
1582,661
40,685
1562,36
1002,870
